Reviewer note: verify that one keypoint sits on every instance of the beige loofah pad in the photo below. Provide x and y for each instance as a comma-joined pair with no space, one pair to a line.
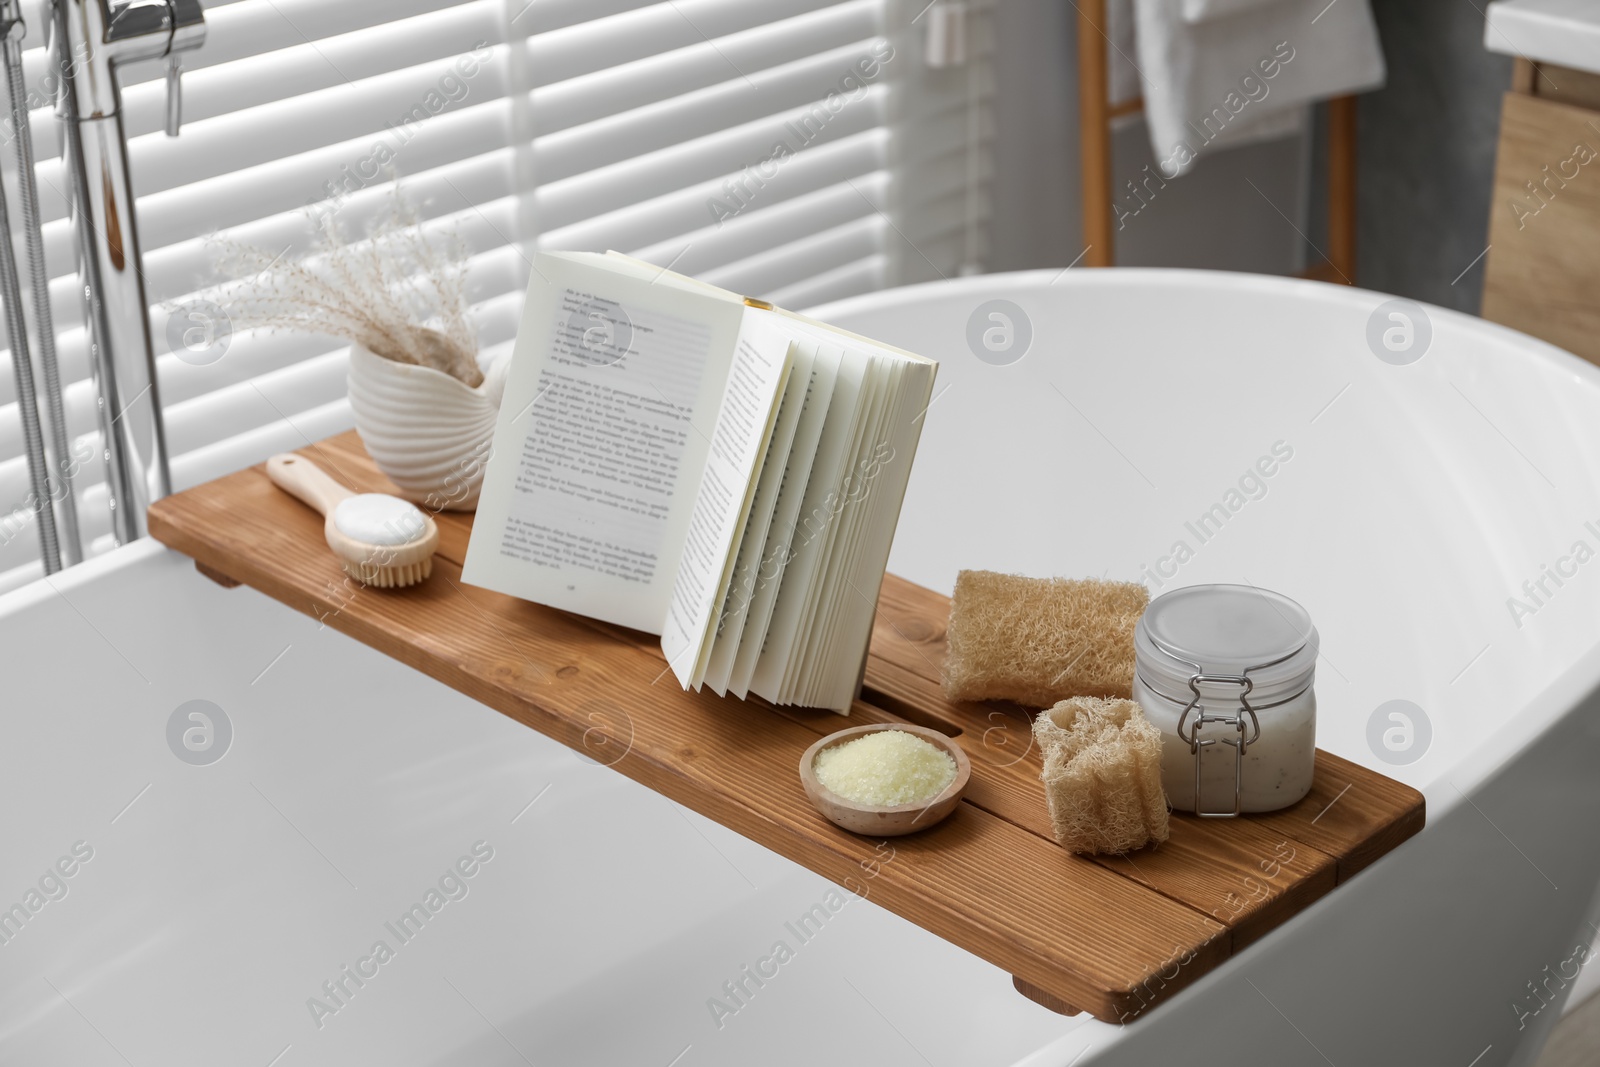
1040,640
1102,775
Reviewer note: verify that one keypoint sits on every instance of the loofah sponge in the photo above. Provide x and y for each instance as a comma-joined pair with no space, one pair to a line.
1040,640
1102,775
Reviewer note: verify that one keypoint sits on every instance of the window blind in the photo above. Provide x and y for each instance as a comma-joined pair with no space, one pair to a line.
799,150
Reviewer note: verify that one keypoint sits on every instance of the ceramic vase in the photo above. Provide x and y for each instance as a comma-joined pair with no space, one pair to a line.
428,431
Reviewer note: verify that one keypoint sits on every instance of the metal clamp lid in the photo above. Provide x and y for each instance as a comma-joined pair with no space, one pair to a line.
1246,713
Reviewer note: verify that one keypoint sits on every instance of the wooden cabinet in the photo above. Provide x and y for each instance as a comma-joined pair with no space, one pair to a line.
1542,274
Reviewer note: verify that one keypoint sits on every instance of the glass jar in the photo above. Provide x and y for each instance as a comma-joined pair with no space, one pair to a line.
1225,672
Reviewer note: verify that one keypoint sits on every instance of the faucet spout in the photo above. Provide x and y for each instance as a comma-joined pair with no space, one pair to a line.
89,40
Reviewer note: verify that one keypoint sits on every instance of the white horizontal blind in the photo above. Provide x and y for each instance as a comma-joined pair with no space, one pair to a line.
795,149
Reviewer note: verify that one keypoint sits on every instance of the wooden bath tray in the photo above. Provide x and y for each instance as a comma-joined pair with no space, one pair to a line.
1109,935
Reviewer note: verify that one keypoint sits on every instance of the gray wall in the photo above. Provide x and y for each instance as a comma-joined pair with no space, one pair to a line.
1426,152
1427,148
1036,189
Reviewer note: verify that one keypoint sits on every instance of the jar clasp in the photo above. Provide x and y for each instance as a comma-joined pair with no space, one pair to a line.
1244,722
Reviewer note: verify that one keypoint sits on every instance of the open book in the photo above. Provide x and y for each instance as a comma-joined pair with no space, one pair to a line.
674,458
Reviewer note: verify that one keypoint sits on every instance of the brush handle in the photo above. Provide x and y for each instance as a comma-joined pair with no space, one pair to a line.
301,478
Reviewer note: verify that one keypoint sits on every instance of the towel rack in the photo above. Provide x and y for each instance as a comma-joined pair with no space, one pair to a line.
1095,112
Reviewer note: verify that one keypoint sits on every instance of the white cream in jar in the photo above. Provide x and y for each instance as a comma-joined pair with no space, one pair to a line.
1222,668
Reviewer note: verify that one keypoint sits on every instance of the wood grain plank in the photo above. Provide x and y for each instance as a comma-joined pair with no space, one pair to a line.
1342,140
216,576
1563,85
1544,223
1524,72
1351,812
551,672
1131,930
1094,133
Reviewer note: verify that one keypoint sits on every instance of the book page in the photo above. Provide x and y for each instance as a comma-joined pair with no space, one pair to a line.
888,474
832,523
602,438
727,487
775,554
825,671
746,572
854,509
811,529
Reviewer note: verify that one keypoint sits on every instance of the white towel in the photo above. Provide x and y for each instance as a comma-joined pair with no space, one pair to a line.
1219,73
1206,10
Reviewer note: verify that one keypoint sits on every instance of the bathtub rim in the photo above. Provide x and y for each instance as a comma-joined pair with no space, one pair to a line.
1497,749
1230,282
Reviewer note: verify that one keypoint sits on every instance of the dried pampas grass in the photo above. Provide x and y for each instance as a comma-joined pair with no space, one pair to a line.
399,292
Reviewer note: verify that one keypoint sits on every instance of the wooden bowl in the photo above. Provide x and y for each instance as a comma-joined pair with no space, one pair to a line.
874,821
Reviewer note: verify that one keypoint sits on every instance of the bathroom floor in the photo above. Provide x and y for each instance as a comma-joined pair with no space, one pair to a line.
1576,1040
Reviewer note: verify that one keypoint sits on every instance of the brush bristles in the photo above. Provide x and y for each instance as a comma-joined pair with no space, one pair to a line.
390,577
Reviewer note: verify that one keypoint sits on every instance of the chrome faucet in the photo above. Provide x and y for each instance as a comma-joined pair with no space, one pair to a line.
89,40
50,471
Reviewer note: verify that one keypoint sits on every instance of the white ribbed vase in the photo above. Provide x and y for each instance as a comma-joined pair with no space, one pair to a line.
428,431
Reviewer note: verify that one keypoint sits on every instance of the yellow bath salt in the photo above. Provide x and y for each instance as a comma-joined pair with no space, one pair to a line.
885,768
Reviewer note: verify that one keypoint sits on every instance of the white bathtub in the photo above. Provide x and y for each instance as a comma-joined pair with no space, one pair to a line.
219,898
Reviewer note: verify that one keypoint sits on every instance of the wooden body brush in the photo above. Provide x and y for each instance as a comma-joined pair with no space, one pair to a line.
380,539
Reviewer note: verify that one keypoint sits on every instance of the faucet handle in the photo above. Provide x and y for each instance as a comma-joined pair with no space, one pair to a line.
187,20
174,93
11,24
